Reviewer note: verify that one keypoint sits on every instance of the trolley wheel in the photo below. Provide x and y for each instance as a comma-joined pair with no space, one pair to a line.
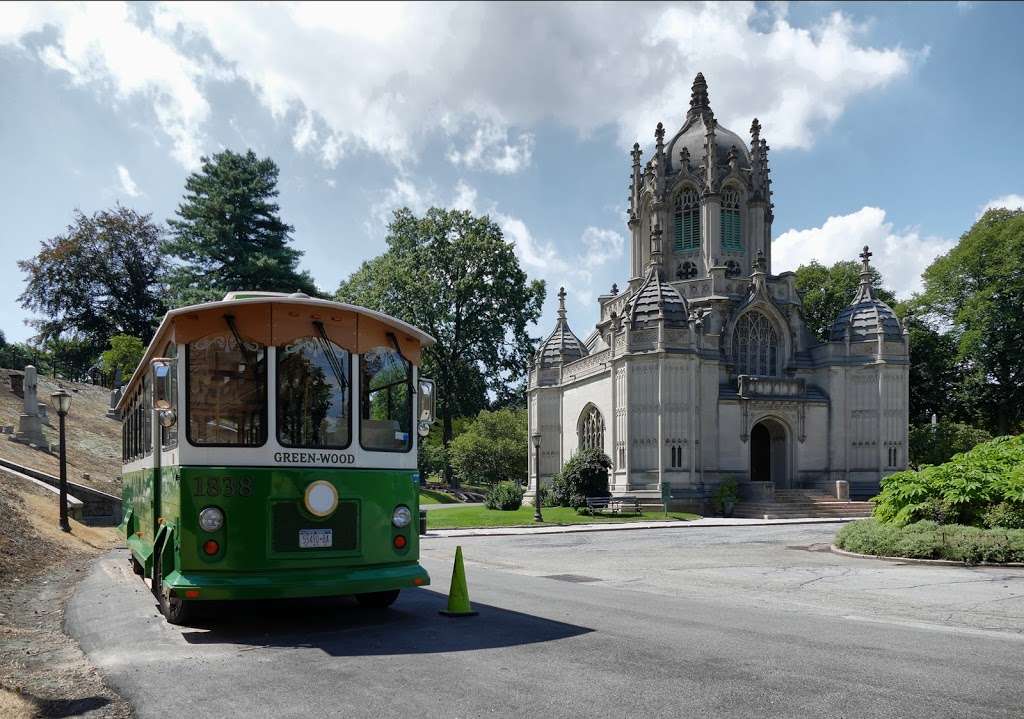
378,600
175,609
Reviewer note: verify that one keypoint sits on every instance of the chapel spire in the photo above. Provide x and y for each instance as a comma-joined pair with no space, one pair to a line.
865,292
700,105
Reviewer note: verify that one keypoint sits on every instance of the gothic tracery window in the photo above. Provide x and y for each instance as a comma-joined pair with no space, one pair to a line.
731,226
687,221
756,346
591,429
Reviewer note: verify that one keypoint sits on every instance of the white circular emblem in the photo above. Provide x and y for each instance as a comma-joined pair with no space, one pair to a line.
321,498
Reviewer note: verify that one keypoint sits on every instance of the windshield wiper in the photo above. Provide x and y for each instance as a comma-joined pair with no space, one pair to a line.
332,358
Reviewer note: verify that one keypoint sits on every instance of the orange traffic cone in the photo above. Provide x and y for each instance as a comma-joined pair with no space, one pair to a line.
458,594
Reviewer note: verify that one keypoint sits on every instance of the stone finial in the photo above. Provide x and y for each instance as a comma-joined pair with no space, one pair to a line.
755,133
636,153
615,288
733,158
561,303
659,135
865,291
699,102
865,258
759,262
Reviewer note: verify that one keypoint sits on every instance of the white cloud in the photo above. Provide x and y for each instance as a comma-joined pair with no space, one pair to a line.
1010,202
383,77
489,149
601,246
128,185
105,46
900,256
539,257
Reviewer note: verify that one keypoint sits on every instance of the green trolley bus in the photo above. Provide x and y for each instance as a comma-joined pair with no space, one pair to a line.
269,451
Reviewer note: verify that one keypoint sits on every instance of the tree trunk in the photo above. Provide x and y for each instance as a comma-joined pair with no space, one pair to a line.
446,439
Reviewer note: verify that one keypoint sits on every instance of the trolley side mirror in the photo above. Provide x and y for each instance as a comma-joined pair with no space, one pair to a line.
163,370
426,403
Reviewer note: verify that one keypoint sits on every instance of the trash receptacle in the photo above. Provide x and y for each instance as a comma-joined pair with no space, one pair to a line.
423,521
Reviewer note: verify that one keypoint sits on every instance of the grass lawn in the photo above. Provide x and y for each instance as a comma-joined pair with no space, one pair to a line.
429,496
466,517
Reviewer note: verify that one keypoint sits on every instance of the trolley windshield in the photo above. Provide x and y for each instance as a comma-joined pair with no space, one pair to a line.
313,397
227,391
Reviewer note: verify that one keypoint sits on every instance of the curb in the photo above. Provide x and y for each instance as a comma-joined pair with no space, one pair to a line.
525,530
917,560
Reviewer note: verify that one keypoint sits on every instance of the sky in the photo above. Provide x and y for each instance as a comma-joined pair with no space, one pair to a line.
892,125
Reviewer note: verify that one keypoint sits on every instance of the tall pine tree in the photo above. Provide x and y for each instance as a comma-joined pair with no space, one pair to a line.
229,234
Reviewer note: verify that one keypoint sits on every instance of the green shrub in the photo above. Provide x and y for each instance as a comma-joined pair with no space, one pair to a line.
1009,515
493,448
928,540
960,491
584,475
506,496
726,496
936,444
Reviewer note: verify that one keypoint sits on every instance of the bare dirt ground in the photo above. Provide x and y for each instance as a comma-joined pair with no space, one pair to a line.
43,673
93,439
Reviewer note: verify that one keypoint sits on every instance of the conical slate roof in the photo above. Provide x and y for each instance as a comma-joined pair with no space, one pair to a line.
655,300
866,316
561,346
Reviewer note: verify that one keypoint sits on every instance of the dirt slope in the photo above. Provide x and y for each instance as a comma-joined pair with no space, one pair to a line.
93,439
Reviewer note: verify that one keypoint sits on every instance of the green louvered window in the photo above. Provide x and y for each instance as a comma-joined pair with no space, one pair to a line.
687,222
731,229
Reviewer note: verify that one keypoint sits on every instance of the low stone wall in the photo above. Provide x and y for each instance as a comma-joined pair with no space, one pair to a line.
98,508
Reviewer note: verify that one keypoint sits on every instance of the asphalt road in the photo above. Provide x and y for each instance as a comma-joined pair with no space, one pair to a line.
729,622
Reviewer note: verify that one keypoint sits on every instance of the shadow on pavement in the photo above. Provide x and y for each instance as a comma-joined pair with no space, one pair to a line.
339,627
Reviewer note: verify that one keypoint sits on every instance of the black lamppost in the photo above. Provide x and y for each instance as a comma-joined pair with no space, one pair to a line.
61,402
537,517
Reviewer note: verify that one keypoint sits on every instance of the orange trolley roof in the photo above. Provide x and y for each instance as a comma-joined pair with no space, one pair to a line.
275,319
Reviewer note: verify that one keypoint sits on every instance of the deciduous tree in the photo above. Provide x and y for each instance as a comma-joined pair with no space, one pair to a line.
99,278
454,275
977,291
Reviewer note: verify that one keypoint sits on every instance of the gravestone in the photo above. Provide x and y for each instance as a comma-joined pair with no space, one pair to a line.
30,429
115,396
43,416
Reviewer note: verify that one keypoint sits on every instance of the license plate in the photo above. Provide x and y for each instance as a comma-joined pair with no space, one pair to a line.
315,538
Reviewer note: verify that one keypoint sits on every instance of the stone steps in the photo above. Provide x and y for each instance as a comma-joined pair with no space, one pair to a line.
799,503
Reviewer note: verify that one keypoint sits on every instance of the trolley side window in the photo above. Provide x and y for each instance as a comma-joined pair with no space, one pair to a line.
169,435
386,401
226,388
314,397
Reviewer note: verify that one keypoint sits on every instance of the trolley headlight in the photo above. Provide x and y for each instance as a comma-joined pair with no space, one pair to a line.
401,517
211,519
321,498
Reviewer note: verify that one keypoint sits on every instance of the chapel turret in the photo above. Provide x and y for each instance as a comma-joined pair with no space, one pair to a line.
705,193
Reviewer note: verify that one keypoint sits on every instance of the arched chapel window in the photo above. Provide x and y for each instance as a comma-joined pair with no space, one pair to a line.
756,346
591,429
731,226
687,221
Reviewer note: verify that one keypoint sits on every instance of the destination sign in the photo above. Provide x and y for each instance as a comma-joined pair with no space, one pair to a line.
315,457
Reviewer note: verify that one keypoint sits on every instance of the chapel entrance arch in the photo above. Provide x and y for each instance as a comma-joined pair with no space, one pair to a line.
768,453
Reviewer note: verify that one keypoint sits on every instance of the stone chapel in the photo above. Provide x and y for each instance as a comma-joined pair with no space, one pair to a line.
701,368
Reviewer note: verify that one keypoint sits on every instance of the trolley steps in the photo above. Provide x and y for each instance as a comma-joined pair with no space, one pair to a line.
796,503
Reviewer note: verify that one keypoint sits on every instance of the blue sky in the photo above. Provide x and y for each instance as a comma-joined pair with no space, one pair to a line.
892,125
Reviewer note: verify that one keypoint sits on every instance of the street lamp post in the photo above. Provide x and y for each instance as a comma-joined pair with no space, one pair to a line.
537,517
61,403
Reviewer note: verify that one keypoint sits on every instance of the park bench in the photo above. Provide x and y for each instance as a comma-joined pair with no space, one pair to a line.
613,504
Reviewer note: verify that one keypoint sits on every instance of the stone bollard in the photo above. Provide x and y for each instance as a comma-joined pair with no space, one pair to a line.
842,490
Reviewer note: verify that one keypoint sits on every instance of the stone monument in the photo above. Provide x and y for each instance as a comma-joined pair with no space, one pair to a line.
30,430
115,396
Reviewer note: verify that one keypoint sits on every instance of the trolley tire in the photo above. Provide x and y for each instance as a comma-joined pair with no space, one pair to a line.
378,600
175,610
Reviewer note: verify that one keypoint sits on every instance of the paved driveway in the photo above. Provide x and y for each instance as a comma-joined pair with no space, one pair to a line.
732,622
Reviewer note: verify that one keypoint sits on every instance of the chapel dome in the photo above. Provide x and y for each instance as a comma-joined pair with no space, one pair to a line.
655,300
561,346
692,135
866,316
